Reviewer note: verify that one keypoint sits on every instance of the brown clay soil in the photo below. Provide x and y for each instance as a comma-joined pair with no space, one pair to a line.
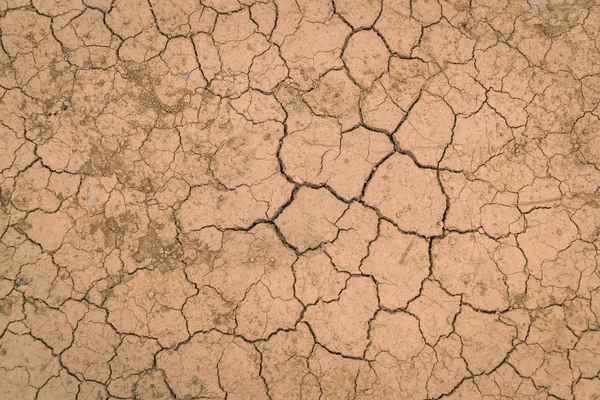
299,199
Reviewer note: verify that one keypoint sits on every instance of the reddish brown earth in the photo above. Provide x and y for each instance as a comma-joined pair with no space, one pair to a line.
299,199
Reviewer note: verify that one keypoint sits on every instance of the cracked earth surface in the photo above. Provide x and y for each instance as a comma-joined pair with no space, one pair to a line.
299,199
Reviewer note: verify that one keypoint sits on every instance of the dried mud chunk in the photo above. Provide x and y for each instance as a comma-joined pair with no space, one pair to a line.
265,16
476,139
427,130
237,208
124,22
223,6
410,357
258,107
579,316
92,390
366,57
143,47
587,389
267,70
387,327
227,366
378,109
152,386
54,8
316,10
64,386
313,49
590,90
38,66
548,232
466,390
360,150
342,325
450,367
486,340
573,271
406,80
11,308
305,151
476,204
244,259
399,263
513,110
499,220
310,219
30,191
500,63
543,191
285,366
208,310
336,96
317,278
336,375
247,153
49,324
504,382
408,195
180,59
444,44
10,142
459,88
149,303
515,167
234,27
436,310
576,46
358,227
180,17
134,355
289,18
87,41
556,375
586,131
549,330
477,267
426,12
384,104
15,384
85,268
208,55
584,357
94,345
252,278
261,313
47,229
551,370
45,281
25,353
358,13
399,29
235,45
557,107
158,150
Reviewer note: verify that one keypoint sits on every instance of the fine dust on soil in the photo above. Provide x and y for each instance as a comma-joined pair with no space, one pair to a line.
299,199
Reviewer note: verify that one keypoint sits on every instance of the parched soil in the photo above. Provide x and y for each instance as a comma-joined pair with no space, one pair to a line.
299,199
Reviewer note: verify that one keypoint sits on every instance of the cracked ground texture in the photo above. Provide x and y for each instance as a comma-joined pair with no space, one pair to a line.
299,199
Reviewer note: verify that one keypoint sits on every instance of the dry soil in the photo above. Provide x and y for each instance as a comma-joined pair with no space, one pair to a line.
299,199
